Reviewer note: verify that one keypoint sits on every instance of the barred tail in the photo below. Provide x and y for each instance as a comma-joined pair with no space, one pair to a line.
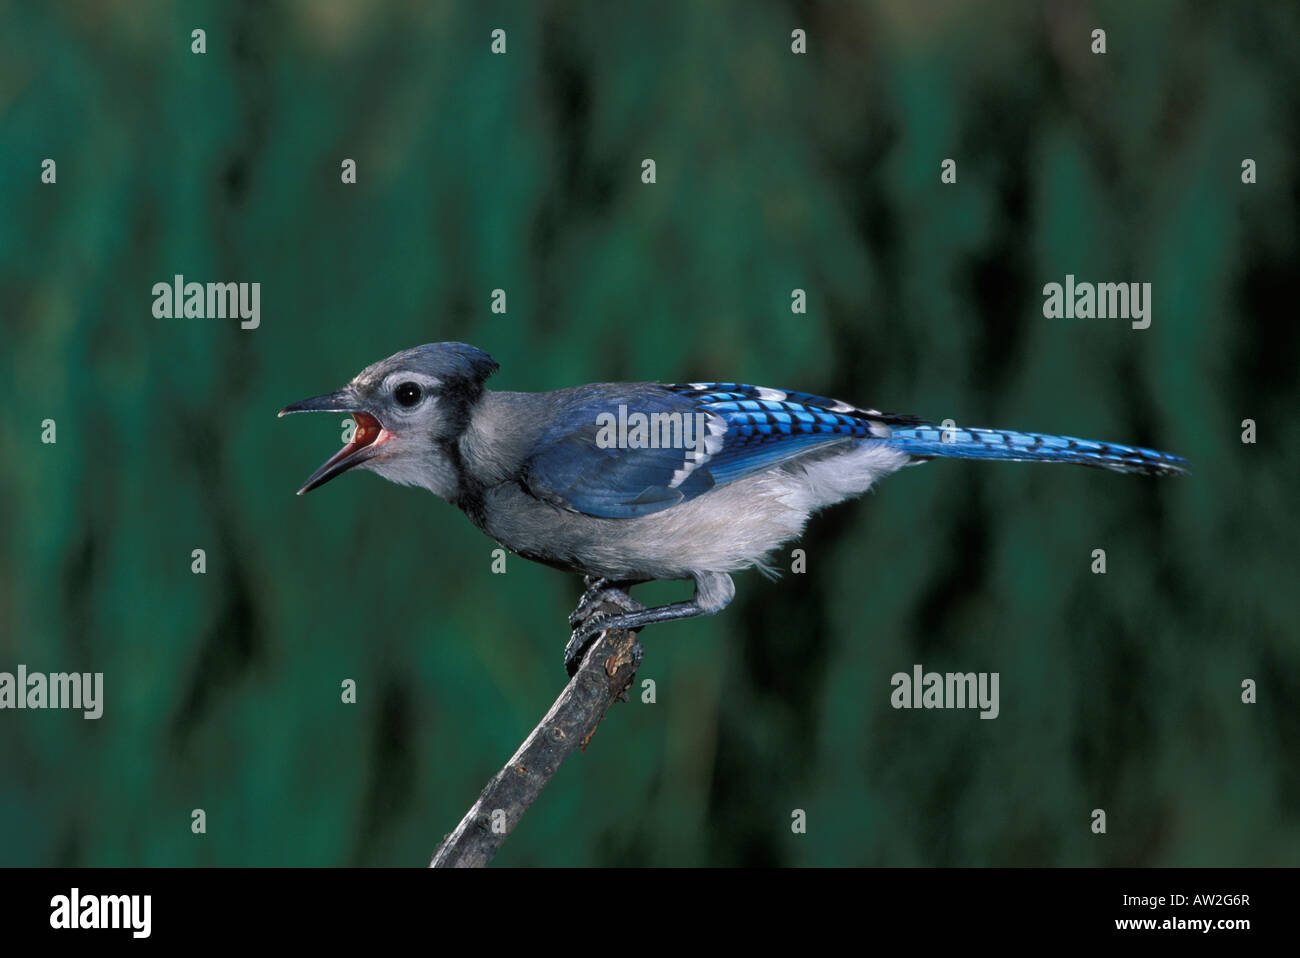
931,442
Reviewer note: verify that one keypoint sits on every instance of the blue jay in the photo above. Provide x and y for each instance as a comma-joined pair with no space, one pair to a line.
731,473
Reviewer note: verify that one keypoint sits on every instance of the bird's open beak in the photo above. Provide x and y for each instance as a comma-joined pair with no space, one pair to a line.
370,435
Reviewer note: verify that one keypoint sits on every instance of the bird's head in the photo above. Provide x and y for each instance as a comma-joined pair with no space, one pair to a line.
408,409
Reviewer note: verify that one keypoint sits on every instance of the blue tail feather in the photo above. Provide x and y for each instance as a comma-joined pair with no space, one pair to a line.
930,442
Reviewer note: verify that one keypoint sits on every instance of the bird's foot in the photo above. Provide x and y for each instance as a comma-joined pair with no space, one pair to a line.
587,619
595,585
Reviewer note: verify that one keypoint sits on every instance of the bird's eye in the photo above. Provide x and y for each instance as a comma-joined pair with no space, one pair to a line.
407,394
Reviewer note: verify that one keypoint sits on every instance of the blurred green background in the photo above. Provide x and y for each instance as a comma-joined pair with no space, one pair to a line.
775,171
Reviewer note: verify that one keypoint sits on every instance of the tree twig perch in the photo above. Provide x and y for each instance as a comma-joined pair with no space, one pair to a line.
606,673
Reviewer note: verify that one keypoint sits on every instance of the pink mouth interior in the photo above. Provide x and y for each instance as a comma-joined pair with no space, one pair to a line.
368,430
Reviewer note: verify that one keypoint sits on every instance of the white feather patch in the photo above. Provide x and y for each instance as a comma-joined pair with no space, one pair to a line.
706,446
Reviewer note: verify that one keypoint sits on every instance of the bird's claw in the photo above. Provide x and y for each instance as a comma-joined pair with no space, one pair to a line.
586,620
581,639
595,586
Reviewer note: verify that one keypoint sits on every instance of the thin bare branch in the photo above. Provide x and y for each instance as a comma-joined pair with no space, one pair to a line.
607,671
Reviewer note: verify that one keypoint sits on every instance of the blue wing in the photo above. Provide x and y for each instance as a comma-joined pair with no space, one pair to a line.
736,431
742,430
